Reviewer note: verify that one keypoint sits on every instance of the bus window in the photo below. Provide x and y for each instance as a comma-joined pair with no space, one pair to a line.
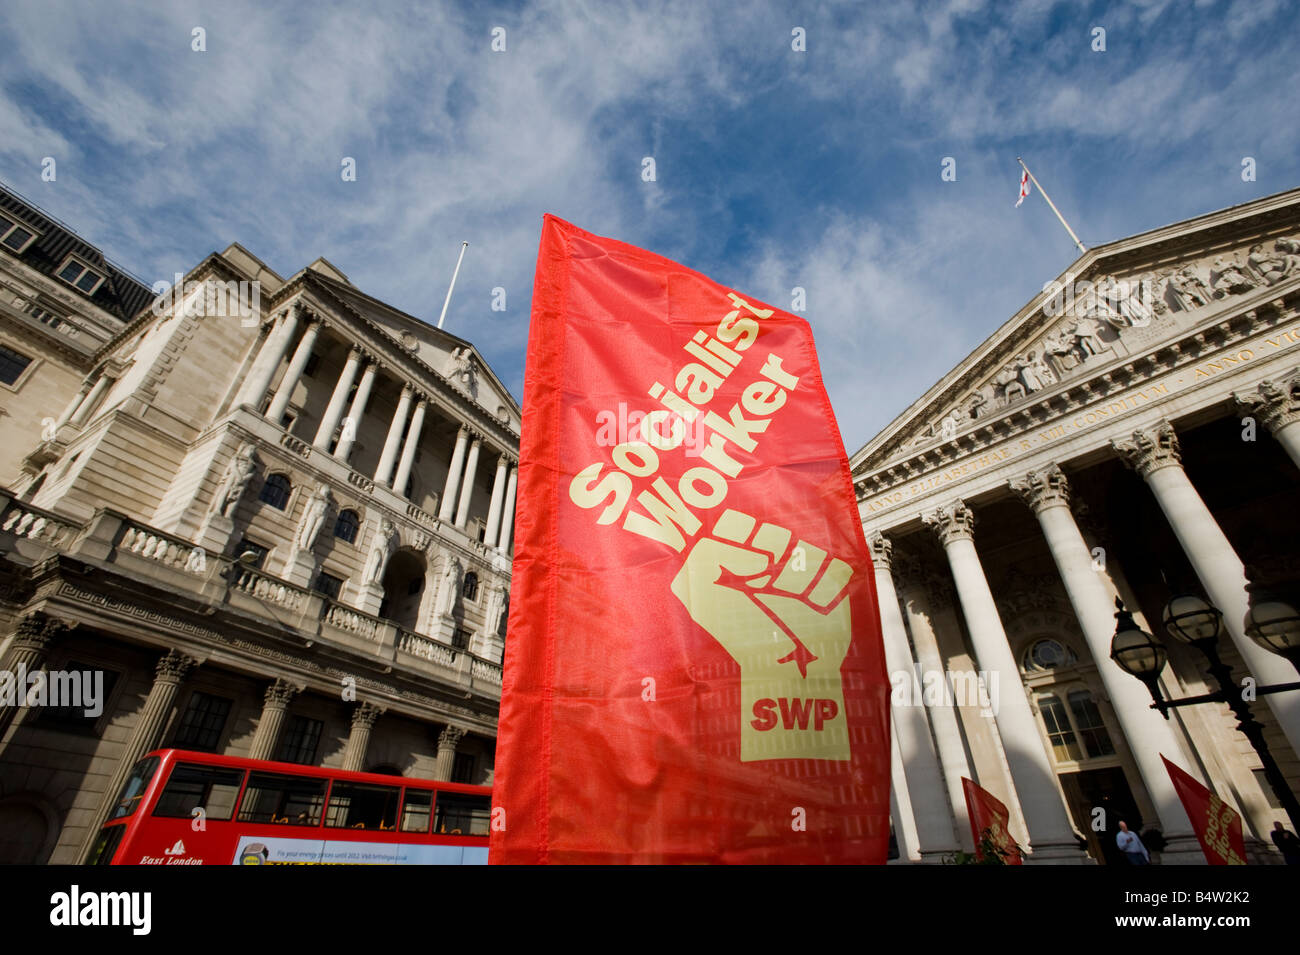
416,811
465,815
192,786
134,787
105,845
293,800
361,806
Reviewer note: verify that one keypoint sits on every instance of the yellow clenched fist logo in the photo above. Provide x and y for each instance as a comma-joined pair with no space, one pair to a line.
778,611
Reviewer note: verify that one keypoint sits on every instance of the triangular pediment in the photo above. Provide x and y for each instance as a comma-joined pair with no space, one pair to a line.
1115,302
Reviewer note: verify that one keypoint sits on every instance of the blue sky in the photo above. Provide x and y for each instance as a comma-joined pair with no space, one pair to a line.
775,168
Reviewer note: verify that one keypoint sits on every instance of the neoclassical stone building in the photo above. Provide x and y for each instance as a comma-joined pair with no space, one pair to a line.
275,513
1133,432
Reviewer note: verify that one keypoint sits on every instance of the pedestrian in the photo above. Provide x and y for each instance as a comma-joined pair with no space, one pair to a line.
1286,840
1131,846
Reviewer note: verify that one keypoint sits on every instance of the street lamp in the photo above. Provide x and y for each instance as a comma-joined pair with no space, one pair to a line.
1275,626
1192,620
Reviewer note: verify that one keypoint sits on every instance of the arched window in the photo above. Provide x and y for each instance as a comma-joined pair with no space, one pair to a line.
1047,654
346,526
276,491
470,588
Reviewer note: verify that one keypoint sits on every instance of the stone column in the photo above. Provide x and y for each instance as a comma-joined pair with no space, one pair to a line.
385,469
494,508
1277,405
447,508
170,672
1050,833
73,405
92,400
448,740
293,373
338,398
363,720
269,358
274,705
408,449
900,805
943,717
934,824
26,654
467,483
508,510
1154,454
1149,735
343,451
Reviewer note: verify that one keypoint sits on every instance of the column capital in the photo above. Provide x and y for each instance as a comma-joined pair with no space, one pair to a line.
365,714
882,550
1276,403
1046,487
36,631
450,737
952,522
173,666
281,692
407,390
1148,451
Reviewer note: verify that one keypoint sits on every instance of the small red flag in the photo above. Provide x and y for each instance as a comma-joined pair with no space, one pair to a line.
989,818
694,669
1217,825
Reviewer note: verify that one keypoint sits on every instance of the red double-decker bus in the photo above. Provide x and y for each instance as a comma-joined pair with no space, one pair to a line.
183,808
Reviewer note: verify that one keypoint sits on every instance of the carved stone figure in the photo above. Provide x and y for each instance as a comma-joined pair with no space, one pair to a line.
1008,380
238,473
313,517
1269,268
1228,278
380,551
977,404
450,586
1033,374
1188,289
460,366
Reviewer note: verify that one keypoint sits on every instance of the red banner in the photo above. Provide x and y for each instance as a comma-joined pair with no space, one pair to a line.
988,818
1217,825
694,669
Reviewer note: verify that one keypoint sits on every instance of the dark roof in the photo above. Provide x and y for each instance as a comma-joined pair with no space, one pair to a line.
121,295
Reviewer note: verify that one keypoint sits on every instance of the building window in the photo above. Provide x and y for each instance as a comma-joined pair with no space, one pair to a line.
299,741
12,365
287,419
1091,727
276,491
78,688
462,768
470,588
1048,655
257,551
16,238
345,527
460,638
329,585
80,276
202,722
1065,747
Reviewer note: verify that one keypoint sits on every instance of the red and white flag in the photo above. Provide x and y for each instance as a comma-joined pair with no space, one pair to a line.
694,669
989,820
1024,187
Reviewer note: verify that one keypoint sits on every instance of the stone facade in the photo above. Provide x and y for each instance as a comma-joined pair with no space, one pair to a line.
1132,432
280,524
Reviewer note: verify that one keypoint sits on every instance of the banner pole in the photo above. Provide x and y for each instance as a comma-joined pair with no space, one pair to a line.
1081,246
460,259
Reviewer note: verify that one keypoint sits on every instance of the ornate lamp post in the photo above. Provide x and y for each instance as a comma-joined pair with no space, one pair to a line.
1192,620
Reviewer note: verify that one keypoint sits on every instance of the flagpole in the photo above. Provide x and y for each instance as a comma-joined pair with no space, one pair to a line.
461,258
1081,246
